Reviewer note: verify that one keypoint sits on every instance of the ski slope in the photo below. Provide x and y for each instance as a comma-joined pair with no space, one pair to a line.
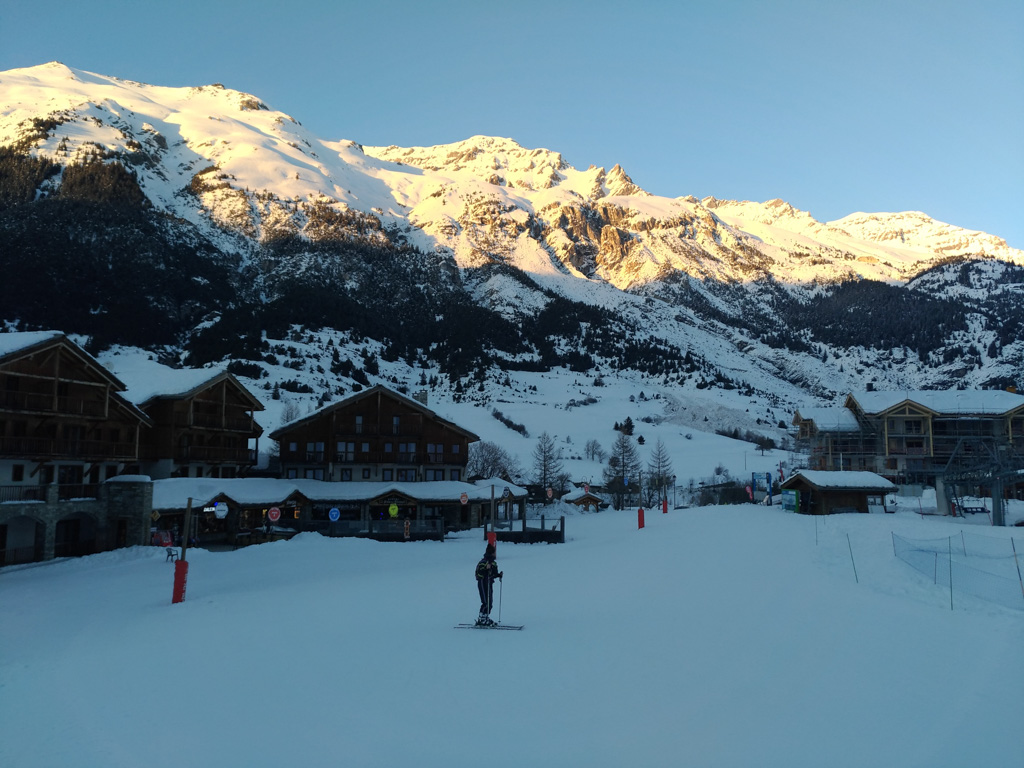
717,636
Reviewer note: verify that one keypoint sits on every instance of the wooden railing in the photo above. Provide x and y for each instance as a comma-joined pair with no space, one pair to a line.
45,447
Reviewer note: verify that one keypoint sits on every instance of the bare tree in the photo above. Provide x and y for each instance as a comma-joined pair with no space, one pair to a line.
491,460
594,452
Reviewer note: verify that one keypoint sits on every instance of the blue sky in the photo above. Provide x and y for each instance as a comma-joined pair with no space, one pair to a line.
833,107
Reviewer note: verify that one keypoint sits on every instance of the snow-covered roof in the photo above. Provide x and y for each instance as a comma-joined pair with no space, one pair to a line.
279,433
19,340
578,493
147,379
948,402
839,480
830,419
174,493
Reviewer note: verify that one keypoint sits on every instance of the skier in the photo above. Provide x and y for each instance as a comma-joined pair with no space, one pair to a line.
486,572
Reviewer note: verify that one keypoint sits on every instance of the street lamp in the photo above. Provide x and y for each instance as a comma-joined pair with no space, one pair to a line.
673,491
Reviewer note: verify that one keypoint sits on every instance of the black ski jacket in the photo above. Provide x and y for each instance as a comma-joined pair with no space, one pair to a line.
487,569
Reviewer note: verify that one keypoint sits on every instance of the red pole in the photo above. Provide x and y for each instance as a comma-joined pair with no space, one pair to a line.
640,518
180,577
664,506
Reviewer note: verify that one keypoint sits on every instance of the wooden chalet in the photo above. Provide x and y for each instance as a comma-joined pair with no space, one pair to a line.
63,418
822,492
65,428
203,423
376,435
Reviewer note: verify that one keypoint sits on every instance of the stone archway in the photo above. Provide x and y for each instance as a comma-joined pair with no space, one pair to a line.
75,536
22,540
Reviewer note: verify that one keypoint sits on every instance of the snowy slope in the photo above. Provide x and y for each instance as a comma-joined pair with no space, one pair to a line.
736,636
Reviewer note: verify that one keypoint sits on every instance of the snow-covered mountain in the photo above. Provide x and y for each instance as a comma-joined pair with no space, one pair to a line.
473,258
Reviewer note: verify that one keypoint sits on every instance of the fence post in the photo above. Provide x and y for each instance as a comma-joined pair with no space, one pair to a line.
1018,566
950,543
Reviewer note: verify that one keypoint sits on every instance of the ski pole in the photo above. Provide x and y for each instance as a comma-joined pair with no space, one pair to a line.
501,586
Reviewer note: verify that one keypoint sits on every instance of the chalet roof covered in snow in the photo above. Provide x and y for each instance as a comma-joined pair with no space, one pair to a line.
947,402
829,419
19,340
840,480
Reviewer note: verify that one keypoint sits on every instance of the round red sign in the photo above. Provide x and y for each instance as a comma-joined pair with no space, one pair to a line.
274,514
464,498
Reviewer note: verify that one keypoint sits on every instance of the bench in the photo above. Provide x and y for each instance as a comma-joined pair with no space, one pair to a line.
974,510
172,554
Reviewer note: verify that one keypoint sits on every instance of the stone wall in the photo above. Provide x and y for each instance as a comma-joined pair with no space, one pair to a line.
118,517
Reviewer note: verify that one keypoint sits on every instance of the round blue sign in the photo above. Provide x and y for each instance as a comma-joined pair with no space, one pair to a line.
334,514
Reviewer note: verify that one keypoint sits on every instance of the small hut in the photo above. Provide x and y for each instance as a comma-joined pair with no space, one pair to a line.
819,492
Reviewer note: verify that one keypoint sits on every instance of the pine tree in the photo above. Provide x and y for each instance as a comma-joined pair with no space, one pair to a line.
659,470
623,466
547,466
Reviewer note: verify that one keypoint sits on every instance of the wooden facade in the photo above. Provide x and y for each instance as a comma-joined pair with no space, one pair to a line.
914,436
376,435
63,418
203,432
65,429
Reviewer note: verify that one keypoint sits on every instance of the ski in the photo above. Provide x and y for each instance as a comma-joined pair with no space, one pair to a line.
488,626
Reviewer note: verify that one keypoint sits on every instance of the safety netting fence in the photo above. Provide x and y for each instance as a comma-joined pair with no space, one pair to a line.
983,566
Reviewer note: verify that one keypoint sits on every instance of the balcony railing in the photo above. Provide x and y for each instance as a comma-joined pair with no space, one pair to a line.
44,447
216,421
216,453
43,402
22,493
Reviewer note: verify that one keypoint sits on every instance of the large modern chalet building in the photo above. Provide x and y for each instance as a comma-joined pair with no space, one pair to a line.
915,436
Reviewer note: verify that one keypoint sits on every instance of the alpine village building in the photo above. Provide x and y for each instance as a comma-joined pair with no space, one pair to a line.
79,447
914,436
375,435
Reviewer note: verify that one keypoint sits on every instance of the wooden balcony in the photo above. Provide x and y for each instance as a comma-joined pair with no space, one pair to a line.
228,423
46,403
215,454
57,448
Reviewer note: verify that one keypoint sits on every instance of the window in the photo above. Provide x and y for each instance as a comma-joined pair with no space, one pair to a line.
387,447
293,474
366,473
359,425
346,451
387,475
314,473
396,425
314,451
435,474
913,426
455,450
293,447
456,474
17,473
407,475
346,475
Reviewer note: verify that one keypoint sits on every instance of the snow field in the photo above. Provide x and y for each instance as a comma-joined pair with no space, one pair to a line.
715,636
